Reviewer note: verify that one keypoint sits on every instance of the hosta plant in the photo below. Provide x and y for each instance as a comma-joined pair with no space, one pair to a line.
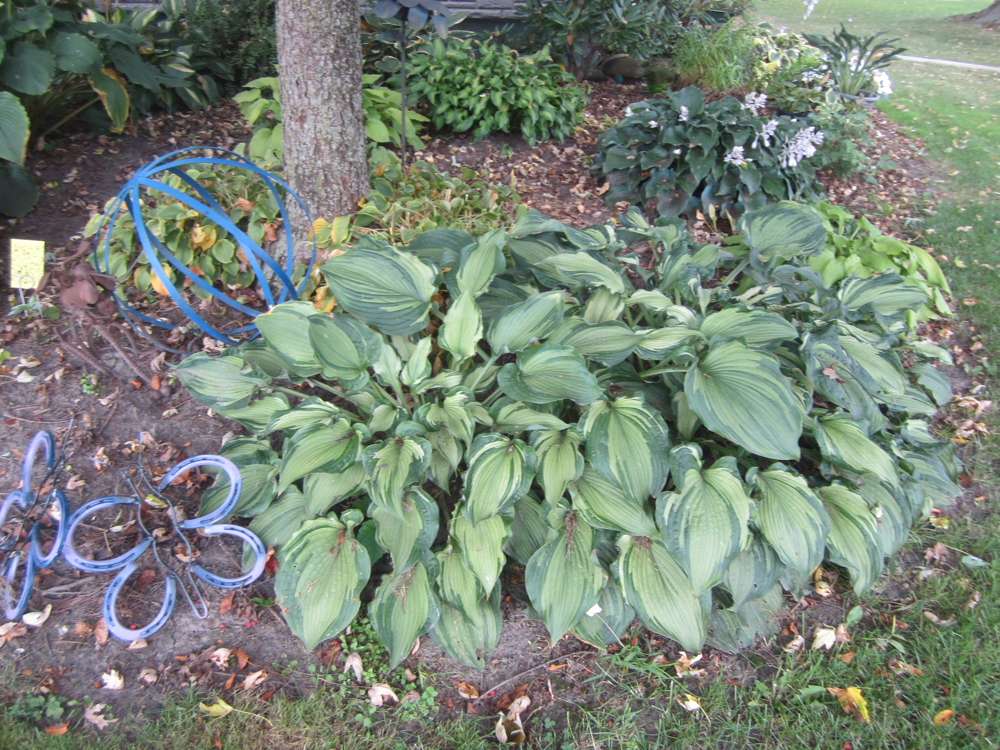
675,155
672,438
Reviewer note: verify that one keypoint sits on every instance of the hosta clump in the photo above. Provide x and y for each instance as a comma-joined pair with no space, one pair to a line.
673,438
677,154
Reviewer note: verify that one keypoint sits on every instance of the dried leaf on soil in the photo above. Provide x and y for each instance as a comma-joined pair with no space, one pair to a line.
113,680
254,679
353,661
37,619
380,693
148,676
467,690
93,715
220,657
57,729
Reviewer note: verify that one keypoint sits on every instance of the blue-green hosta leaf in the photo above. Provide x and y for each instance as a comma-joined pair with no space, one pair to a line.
844,442
603,306
704,522
446,455
608,343
516,417
578,270
14,128
466,640
403,609
752,573
605,506
285,328
318,448
407,539
659,343
258,414
392,466
501,470
836,376
912,401
388,289
854,540
659,590
463,328
310,411
323,490
418,366
606,626
876,368
627,443
478,264
785,229
520,324
528,530
218,382
559,460
792,519
886,294
458,585
345,348
936,382
935,479
320,576
74,52
758,329
27,68
743,395
562,578
892,515
453,412
245,451
732,631
481,546
279,521
260,487
549,373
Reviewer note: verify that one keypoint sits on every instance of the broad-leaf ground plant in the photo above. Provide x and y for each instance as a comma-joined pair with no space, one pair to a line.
673,437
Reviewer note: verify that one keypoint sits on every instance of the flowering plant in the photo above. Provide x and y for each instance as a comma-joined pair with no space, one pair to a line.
856,64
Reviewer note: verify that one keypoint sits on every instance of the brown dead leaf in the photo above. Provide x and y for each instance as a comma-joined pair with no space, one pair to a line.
148,676
11,630
973,602
230,681
227,603
220,657
938,553
899,704
380,693
943,717
848,657
241,658
101,632
684,665
901,668
467,690
254,679
82,629
57,729
138,643
93,714
410,677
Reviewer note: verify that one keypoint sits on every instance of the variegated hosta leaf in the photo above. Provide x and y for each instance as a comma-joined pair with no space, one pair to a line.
854,540
453,411
792,518
310,411
285,328
501,470
743,395
392,466
752,573
604,505
388,289
893,516
559,460
418,366
516,417
659,343
844,442
886,294
478,264
704,522
687,421
465,640
218,382
627,442
520,324
458,585
603,306
463,328
608,343
323,490
403,609
407,539
606,626
481,546
256,416
758,329
578,270
549,373
659,590
732,631
279,521
446,455
836,376
321,572
345,348
786,229
562,578
260,487
935,381
878,369
528,530
318,448
939,487
245,451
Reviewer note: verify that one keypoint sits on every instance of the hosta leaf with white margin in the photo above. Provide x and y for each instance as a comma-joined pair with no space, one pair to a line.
257,415
517,326
603,306
481,546
501,470
323,490
387,288
854,540
260,487
659,343
458,585
734,630
320,575
218,382
392,466
418,366
453,412
752,573
466,640
345,348
279,521
608,343
549,373
835,375
784,229
703,522
578,270
606,627
938,486
893,517
318,448
559,460
877,368
477,265
285,328
515,417
563,578
309,411
935,381
446,455
886,294
627,443
660,592
403,608
913,401
743,395
528,529
462,328
757,328
791,517
605,506
845,442
407,539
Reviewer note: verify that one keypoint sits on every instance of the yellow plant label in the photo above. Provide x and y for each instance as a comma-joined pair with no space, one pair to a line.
27,263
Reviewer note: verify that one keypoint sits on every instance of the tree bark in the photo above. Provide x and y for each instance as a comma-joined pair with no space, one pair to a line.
989,17
319,64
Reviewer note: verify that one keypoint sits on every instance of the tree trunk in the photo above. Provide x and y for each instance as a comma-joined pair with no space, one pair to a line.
319,63
989,17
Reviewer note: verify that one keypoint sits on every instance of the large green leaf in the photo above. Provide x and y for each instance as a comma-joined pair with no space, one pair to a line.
392,466
549,373
323,490
844,442
578,270
785,229
627,443
458,584
463,327
752,573
259,413
756,328
403,608
318,448
501,470
877,368
605,506
603,306
732,631
893,516
528,529
388,289
791,517
935,381
311,410
28,69
218,382
886,294
608,343
659,343
451,412
321,572
606,626
466,640
14,127
285,328
704,522
113,92
75,53
277,523
408,538
259,488
938,486
562,578
344,347
515,417
520,324
854,540
481,546
742,395
18,190
559,460
478,264
659,590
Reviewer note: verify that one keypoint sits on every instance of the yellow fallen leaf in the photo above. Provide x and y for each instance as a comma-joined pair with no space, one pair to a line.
852,702
824,638
943,717
112,680
690,703
218,709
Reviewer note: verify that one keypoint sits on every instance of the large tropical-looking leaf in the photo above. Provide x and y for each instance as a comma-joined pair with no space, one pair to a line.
501,470
218,382
786,229
854,540
458,584
75,53
627,443
515,417
344,347
843,442
518,325
791,517
559,460
892,515
481,546
743,395
388,289
113,93
318,448
886,294
608,343
258,414
278,523
478,264
321,572
549,373
469,640
392,466
562,579
27,68
606,626
408,538
403,608
659,590
605,506
732,631
324,490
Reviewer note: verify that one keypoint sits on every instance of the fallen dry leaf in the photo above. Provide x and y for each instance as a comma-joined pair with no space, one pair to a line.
519,706
852,701
848,657
227,603
411,697
101,632
683,666
75,483
690,703
254,679
37,619
148,675
112,680
824,638
509,731
795,645
973,602
353,661
137,644
938,553
842,636
93,715
57,729
241,658
467,690
943,717
410,677
229,682
938,621
901,667
11,630
218,709
82,629
220,657
380,693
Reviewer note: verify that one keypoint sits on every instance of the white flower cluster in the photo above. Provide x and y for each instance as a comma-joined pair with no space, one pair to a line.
683,116
736,157
810,6
754,102
766,134
801,147
628,111
883,84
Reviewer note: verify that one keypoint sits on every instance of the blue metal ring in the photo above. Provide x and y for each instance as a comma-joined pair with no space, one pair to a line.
62,532
101,566
14,611
108,609
251,540
235,488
